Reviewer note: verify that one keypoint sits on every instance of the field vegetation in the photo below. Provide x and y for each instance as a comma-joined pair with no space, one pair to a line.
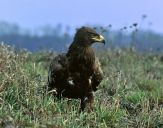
131,94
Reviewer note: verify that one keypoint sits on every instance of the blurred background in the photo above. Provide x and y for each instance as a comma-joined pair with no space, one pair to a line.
50,25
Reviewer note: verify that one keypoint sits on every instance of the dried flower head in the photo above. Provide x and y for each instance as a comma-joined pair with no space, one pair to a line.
135,24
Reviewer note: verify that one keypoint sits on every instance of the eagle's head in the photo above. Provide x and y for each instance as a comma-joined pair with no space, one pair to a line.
86,36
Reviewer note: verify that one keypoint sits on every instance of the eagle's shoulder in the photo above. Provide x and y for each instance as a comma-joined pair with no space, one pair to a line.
58,62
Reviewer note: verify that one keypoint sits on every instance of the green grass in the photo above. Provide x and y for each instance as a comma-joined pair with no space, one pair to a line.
131,94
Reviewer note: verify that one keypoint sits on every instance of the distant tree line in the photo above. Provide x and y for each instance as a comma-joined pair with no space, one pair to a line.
58,38
43,38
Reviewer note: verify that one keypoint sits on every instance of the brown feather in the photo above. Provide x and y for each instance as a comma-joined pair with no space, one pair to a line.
78,73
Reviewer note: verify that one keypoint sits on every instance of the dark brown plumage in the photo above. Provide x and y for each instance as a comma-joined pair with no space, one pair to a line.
77,73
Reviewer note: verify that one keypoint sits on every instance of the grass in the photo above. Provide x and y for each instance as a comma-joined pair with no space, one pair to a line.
131,94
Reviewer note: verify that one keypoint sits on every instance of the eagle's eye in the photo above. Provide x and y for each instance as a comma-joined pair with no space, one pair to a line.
93,34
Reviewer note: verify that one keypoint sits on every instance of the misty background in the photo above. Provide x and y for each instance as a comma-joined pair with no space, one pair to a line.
51,24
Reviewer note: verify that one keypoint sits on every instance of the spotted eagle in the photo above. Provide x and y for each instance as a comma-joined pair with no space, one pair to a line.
77,73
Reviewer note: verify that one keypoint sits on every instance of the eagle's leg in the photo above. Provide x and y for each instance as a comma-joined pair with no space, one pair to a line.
87,102
59,94
82,104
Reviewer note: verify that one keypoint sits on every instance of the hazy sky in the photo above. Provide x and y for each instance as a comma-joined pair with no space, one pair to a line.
34,13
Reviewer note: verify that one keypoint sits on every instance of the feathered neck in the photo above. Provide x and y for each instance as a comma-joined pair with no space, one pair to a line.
81,59
79,47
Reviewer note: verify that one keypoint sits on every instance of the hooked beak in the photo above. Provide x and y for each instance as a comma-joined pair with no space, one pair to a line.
99,39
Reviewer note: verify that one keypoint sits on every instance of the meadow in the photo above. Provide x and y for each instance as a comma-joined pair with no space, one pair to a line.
130,95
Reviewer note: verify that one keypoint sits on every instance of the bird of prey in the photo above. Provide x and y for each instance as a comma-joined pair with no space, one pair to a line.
77,73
